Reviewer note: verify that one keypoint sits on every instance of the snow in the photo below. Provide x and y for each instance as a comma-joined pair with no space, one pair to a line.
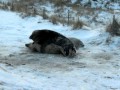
95,67
5,0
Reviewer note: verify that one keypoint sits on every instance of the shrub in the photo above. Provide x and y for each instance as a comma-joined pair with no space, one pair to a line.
44,14
114,27
77,25
54,19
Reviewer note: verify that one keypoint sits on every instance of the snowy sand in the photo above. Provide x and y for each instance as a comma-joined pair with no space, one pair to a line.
95,67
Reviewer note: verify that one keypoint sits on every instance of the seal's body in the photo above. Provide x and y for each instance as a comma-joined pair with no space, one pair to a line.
77,43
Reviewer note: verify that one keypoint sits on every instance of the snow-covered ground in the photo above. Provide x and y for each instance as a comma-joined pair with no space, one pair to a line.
95,67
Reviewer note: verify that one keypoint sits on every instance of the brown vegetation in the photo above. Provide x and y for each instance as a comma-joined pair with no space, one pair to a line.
59,15
78,25
114,27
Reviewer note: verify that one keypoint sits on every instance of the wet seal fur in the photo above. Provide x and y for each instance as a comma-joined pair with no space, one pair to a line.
48,41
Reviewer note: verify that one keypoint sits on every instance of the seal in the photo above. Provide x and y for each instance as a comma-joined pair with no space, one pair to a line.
48,41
